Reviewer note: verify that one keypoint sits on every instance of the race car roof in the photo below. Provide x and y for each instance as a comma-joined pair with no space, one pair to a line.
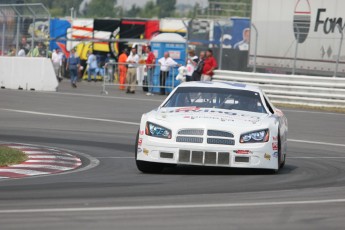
221,84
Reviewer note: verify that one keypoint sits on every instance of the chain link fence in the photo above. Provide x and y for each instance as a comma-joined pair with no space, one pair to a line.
24,30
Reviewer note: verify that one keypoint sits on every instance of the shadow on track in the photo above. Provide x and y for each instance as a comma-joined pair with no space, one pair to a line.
204,170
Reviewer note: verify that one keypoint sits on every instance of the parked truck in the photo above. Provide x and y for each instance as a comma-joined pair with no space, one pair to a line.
303,34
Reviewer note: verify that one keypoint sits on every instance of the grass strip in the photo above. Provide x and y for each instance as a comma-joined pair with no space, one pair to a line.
10,156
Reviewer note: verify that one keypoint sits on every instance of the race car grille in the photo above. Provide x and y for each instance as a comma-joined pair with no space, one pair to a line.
189,139
204,158
218,141
223,158
184,156
195,132
210,158
197,157
217,133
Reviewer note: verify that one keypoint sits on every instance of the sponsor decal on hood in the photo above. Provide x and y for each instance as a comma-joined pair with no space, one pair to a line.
195,113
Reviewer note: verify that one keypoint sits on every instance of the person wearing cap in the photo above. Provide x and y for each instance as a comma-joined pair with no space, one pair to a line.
132,61
210,64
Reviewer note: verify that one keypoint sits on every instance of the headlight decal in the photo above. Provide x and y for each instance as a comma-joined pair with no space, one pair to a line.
155,130
255,136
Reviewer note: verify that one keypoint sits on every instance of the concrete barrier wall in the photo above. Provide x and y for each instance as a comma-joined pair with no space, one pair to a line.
27,73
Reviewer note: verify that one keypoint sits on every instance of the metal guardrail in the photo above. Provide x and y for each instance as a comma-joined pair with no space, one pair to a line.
293,89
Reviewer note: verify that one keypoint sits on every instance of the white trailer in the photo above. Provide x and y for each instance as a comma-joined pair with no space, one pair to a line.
310,30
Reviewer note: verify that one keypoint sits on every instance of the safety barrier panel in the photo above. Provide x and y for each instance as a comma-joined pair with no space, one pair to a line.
27,73
292,89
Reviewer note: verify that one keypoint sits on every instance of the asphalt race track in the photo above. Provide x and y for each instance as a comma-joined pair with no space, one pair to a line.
110,193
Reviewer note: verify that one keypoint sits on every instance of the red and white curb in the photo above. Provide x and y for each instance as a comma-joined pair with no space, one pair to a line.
41,161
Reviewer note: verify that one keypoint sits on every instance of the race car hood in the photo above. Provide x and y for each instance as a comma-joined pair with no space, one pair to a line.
196,117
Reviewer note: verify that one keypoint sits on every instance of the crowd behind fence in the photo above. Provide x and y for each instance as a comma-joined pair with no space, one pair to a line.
24,30
112,74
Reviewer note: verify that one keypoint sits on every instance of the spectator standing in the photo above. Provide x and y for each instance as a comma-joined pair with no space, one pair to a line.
196,76
122,69
12,51
150,61
92,63
132,60
57,62
38,51
165,63
21,52
191,64
109,66
25,45
210,64
73,63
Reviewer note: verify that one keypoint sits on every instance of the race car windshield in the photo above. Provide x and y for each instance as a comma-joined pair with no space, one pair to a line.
230,99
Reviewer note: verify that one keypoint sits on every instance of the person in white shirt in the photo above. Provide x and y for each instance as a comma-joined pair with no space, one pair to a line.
131,78
191,64
21,52
57,62
92,63
165,63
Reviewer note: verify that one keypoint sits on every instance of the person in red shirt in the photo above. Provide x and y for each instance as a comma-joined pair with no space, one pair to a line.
210,64
150,61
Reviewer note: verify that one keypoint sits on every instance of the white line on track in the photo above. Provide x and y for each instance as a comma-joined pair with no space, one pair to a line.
115,157
70,116
23,171
167,207
313,112
54,157
54,167
52,162
316,157
316,142
136,124
110,97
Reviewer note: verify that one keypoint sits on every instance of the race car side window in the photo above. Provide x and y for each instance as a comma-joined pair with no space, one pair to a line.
268,105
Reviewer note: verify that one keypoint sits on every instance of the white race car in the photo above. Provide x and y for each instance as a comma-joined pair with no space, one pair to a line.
220,124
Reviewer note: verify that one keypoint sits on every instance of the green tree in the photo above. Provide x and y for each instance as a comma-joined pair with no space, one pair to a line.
166,8
101,8
133,11
150,10
58,8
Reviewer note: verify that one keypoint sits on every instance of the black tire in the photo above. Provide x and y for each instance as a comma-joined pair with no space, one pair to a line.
280,155
145,166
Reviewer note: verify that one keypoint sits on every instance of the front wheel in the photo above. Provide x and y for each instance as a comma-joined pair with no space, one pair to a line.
149,167
145,166
281,156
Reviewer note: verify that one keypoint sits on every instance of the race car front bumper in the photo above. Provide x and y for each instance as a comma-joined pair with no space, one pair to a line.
254,155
